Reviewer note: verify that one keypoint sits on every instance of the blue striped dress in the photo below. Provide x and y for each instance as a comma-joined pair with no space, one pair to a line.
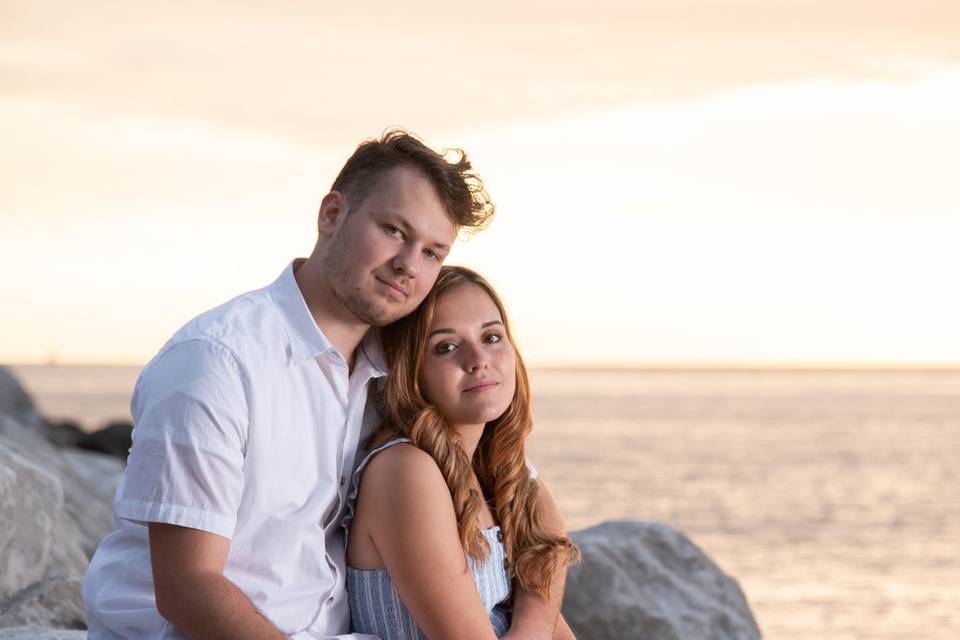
375,605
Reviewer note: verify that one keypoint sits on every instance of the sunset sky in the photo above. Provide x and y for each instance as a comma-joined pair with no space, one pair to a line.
753,181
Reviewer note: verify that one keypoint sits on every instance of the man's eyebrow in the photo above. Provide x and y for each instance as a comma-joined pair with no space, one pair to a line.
483,326
400,221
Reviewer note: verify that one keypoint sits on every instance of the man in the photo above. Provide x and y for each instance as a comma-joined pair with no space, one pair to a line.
249,418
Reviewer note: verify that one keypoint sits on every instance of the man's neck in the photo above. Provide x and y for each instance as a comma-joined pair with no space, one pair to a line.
342,328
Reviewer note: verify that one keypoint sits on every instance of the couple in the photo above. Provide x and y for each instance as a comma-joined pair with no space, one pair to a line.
242,513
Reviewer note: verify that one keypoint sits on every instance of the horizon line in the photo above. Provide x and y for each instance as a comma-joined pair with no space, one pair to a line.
637,365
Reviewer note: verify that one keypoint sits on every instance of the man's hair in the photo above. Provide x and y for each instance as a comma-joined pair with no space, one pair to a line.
460,189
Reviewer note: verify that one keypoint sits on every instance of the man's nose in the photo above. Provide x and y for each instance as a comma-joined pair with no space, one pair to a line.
406,261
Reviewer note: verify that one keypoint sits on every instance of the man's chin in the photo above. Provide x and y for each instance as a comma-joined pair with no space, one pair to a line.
382,314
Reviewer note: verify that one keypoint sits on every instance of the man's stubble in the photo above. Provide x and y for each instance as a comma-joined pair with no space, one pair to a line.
365,304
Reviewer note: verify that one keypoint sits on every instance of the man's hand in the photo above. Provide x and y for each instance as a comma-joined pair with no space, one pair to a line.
192,592
534,617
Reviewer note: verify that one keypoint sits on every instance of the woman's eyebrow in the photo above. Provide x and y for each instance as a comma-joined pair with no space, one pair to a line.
483,326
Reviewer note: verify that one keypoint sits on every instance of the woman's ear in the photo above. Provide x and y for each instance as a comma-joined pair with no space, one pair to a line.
332,208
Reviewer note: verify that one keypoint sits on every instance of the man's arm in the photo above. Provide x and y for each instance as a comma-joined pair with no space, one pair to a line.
192,592
534,617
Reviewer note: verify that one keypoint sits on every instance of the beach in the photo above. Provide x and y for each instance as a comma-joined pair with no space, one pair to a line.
830,495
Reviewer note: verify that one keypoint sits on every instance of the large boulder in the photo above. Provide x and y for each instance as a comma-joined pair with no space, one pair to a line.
49,603
89,482
55,506
31,505
647,581
115,438
33,632
16,403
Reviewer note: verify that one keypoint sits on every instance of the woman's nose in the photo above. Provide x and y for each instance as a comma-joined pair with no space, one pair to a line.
476,358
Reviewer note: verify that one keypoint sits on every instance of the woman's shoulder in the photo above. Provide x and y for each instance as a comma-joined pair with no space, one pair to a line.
404,479
401,462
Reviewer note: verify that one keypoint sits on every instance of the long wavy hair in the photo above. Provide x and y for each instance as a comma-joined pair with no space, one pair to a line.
499,462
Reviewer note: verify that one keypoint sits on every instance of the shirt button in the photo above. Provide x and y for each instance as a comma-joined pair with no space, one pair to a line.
343,481
330,600
506,563
499,536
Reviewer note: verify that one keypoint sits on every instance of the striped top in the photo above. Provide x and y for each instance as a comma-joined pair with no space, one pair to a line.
375,605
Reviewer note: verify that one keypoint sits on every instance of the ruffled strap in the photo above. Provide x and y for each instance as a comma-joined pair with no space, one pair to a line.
355,481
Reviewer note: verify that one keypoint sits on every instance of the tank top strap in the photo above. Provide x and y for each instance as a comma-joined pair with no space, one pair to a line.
355,480
373,452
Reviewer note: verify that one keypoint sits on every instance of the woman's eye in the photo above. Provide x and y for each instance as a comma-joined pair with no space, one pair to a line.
492,338
444,347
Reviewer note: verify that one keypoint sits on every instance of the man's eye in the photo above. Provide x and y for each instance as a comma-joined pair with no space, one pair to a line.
392,230
433,255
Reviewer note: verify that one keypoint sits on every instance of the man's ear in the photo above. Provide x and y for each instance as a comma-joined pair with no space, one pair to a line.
332,208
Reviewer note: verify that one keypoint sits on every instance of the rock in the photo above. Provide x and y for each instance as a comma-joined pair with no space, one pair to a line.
89,483
648,581
54,602
31,505
16,403
65,433
55,506
40,633
114,439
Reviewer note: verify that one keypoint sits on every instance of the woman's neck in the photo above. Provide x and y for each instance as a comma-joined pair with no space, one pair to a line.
469,437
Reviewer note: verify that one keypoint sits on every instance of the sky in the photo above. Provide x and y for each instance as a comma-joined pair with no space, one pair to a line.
742,182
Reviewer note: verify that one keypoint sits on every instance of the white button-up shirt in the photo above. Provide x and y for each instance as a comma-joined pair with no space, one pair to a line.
247,426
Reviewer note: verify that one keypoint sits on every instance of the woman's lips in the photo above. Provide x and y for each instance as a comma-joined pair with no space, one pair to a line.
481,386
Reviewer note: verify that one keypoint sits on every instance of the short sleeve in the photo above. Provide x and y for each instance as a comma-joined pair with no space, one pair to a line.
190,427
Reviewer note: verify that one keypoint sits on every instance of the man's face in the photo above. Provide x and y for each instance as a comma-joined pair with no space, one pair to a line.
385,253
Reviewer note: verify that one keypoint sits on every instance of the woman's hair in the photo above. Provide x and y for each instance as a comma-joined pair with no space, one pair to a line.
499,460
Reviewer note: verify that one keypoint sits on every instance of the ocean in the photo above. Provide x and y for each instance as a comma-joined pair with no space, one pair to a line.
832,496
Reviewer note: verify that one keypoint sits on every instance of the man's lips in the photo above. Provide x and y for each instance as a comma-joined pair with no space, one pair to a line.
481,386
399,291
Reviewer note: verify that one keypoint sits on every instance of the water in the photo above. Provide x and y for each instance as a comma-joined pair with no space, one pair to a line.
832,496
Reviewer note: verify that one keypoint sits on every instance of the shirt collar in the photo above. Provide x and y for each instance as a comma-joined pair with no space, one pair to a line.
307,340
371,349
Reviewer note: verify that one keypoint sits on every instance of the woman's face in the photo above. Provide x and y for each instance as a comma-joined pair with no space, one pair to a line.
469,368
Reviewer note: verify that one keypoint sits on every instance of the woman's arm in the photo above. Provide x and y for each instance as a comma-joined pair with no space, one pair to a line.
534,617
412,523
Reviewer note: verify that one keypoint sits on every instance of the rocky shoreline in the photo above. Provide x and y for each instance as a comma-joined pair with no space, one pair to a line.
637,579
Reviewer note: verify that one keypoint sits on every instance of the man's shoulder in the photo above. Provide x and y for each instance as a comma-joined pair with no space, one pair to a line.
239,334
238,325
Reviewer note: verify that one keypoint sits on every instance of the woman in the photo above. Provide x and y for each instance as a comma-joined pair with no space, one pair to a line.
447,478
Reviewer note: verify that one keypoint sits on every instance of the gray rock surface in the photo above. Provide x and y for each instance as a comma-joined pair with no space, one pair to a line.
40,633
16,403
50,603
89,482
31,504
114,438
55,506
649,582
